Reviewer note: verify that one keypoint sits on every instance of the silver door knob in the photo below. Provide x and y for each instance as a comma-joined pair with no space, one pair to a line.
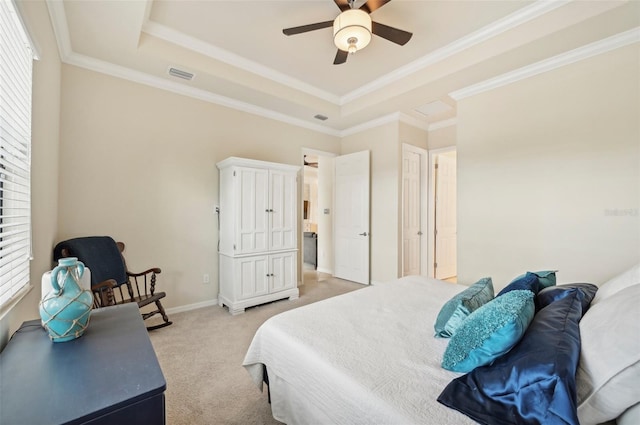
363,234
419,233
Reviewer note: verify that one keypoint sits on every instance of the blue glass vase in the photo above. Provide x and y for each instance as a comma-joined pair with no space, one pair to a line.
66,309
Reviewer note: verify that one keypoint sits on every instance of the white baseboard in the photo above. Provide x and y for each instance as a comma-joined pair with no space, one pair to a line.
323,270
190,307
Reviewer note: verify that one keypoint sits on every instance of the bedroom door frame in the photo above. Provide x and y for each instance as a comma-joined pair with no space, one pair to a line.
431,237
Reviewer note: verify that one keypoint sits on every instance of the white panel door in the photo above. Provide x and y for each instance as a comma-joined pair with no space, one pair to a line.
282,210
351,219
445,218
252,232
411,213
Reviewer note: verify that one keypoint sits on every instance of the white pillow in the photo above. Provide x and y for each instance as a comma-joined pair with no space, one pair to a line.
608,375
631,416
623,280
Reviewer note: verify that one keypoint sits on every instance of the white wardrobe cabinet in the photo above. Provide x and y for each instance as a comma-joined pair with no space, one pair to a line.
258,233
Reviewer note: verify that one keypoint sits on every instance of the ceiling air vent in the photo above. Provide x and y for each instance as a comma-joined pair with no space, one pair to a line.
175,72
320,117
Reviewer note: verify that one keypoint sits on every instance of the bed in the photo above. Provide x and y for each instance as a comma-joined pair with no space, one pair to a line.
370,356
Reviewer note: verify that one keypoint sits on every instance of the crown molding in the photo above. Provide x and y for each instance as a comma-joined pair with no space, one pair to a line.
495,28
68,56
118,71
596,48
191,43
414,122
386,119
60,27
511,21
443,124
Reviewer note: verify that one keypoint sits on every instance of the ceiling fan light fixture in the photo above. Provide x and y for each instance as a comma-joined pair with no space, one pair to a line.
352,30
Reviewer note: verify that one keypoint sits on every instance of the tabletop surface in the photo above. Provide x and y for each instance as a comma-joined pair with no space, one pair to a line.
112,365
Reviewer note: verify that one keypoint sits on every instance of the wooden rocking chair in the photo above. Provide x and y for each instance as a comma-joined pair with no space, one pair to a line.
109,275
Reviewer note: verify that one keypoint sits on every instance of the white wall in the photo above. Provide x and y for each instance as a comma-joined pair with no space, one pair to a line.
325,221
549,173
139,164
442,137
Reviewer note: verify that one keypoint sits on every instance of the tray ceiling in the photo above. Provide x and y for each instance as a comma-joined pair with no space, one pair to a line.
241,58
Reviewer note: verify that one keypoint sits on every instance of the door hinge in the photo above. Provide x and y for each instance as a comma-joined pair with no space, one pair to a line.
435,265
436,166
234,174
234,247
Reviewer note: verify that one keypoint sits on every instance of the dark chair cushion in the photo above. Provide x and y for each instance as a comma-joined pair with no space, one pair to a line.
99,253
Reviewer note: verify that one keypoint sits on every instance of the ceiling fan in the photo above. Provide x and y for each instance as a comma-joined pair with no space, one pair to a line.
310,164
352,29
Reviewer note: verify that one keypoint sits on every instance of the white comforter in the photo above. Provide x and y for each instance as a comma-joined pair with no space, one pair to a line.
366,357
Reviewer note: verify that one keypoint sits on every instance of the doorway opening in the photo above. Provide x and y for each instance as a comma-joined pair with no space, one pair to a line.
316,211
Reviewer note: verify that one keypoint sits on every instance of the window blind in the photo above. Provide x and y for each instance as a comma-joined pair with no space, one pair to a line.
16,61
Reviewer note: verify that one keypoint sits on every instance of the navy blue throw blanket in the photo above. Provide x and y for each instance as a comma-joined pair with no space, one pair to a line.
99,253
534,383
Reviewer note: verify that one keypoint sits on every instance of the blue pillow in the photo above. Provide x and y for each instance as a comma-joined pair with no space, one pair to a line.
535,382
528,281
551,294
456,310
490,331
546,278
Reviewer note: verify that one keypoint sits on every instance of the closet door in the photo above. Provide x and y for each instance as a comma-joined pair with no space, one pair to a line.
252,209
282,210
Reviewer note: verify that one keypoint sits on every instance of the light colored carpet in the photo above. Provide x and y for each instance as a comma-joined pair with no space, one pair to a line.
201,357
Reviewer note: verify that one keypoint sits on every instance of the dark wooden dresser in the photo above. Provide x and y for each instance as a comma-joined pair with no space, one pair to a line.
110,375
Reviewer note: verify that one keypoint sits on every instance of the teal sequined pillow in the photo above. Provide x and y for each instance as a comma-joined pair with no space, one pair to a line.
490,331
456,310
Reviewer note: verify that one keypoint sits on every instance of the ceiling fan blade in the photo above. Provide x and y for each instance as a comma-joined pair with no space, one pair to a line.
372,5
307,28
392,34
341,57
342,5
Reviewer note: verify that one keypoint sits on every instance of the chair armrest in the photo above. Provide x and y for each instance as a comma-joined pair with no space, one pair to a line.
111,283
155,270
147,286
103,293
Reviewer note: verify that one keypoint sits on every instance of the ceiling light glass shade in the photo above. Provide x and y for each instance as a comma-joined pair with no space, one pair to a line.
352,30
